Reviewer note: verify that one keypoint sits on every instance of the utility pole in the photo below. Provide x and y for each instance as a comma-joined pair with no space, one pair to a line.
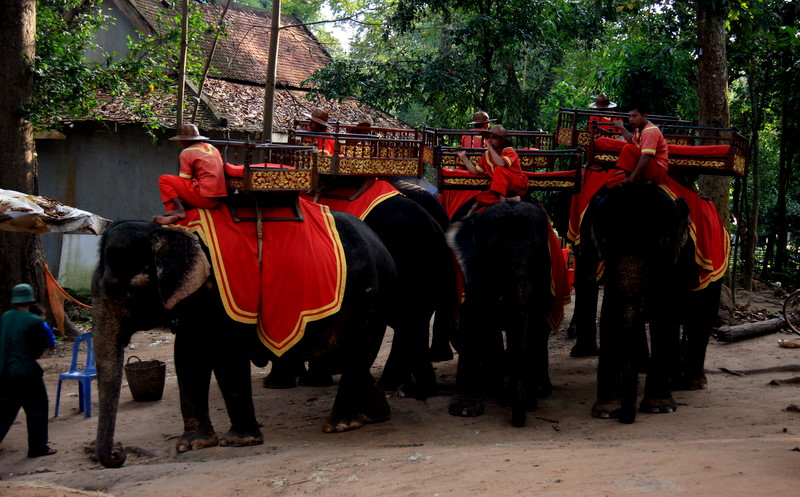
272,71
182,60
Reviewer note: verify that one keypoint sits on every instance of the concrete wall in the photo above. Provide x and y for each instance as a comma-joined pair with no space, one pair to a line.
107,169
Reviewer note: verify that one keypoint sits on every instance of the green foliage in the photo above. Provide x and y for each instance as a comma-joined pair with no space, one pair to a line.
451,58
68,84
64,81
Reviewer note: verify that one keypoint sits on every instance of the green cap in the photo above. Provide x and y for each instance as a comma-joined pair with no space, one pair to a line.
23,294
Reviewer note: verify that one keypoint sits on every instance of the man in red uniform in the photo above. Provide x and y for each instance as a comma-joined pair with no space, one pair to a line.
201,182
480,121
646,155
319,124
502,164
602,102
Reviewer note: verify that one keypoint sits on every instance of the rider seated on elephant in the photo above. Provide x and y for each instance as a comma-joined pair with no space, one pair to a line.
602,102
502,164
318,123
201,182
645,155
480,121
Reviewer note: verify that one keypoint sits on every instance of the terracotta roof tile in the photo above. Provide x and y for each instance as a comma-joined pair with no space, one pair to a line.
233,97
243,54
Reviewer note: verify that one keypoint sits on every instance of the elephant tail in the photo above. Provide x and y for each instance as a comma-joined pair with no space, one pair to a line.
445,319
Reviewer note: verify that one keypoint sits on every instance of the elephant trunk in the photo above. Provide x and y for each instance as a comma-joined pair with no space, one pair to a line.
108,346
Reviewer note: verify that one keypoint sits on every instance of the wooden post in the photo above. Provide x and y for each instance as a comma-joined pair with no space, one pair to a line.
272,70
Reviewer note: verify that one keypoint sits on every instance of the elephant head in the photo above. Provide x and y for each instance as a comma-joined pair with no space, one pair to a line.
145,270
504,254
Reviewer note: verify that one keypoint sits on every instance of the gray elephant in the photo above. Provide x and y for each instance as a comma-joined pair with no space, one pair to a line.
642,235
504,253
150,276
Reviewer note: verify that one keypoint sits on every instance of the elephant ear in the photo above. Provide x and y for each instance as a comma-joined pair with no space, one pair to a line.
181,265
461,239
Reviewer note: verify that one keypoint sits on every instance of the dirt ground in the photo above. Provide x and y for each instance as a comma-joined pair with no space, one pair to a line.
735,438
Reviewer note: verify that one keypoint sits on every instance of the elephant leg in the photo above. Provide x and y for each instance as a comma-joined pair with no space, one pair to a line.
584,316
479,349
408,369
699,318
232,370
440,343
359,401
284,372
522,360
193,367
318,374
607,405
664,338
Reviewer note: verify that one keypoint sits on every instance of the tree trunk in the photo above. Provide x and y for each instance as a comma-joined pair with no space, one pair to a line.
712,90
788,144
750,239
21,255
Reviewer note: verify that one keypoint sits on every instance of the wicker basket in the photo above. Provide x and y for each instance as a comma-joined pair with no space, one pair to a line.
145,379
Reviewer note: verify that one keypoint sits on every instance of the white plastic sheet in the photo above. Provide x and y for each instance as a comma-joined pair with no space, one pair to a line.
35,214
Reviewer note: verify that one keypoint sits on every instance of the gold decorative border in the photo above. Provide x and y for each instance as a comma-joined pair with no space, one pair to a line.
378,167
606,158
427,156
551,184
564,136
739,165
467,181
280,180
699,163
234,183
324,164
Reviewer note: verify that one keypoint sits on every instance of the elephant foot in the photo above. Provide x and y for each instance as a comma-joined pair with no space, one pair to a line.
342,425
466,408
572,331
699,382
441,353
279,381
416,390
374,409
606,409
658,406
242,439
195,441
584,350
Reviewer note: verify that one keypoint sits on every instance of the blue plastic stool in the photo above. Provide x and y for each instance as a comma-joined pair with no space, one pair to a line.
83,376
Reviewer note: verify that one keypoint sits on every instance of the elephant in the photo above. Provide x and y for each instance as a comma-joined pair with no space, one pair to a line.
427,285
642,236
504,253
150,276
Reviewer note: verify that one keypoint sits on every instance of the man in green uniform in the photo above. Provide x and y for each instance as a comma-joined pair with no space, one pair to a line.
23,338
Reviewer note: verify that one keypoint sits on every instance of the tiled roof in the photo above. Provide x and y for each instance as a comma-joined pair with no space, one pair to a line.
241,106
233,96
243,54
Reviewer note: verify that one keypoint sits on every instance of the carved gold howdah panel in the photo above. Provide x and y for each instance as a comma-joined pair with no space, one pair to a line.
279,180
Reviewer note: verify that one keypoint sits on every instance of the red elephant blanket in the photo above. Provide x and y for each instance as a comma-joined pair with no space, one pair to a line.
302,274
361,206
711,239
559,282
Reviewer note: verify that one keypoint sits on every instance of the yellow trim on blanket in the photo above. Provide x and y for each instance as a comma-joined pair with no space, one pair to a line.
376,201
205,229
315,314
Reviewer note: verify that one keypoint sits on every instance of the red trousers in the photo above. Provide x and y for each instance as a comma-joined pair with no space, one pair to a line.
504,182
172,186
629,157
